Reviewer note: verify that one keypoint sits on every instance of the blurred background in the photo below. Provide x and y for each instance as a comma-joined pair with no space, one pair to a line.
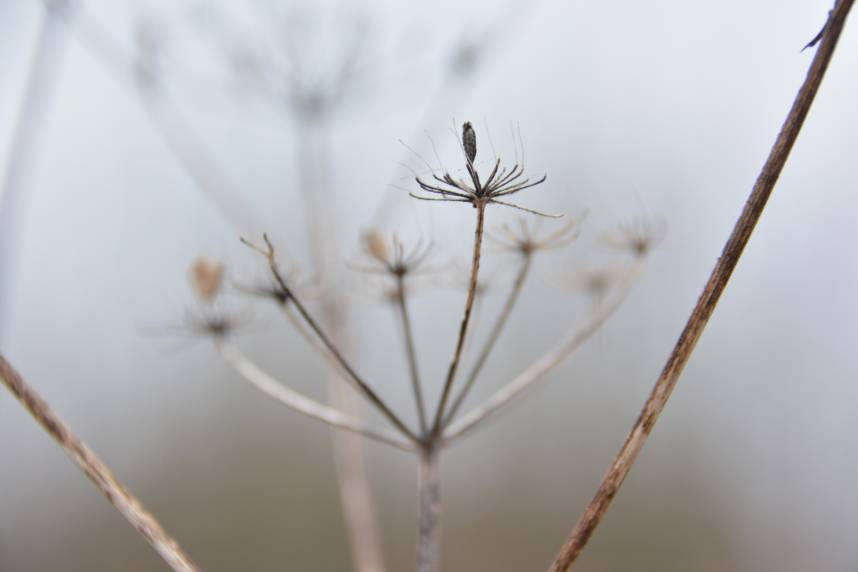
158,131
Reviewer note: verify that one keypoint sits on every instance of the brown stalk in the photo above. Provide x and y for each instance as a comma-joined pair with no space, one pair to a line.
497,328
699,317
480,205
116,493
410,351
368,392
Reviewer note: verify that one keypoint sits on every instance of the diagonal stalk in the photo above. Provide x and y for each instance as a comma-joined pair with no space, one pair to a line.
410,351
540,368
498,327
699,317
101,476
480,205
367,391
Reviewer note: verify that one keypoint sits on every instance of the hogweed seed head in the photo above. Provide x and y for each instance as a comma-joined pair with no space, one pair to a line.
501,181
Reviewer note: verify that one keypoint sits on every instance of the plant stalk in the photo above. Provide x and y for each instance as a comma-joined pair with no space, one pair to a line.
708,300
429,510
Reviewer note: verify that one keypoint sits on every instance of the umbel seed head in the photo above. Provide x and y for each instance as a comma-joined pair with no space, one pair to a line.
469,140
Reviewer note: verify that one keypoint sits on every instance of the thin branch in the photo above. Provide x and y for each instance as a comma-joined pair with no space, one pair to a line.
543,365
300,403
117,494
361,384
498,327
411,352
466,318
699,317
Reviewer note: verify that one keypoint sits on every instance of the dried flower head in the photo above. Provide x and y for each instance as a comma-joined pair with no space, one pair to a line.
391,256
206,277
526,239
499,183
638,236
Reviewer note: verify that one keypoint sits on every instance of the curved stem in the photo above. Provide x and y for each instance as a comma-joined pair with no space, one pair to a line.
493,337
410,351
699,317
469,306
301,403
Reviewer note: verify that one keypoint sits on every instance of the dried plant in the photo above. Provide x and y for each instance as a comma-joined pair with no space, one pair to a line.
442,425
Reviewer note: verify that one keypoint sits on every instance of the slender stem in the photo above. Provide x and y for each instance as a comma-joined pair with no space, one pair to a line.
26,133
301,403
347,368
429,511
469,306
541,367
699,317
498,327
117,494
356,496
176,134
410,351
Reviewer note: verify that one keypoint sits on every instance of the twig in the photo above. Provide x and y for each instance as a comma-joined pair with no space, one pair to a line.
429,511
699,317
498,327
300,403
410,351
361,384
543,365
117,494
469,305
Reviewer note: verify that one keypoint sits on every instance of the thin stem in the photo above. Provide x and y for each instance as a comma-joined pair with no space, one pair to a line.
699,317
361,384
541,367
117,494
469,306
498,327
410,351
177,135
301,403
429,511
41,76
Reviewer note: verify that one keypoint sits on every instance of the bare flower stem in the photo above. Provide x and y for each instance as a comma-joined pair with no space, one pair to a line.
370,394
699,317
429,511
541,367
300,403
498,327
41,76
466,318
410,351
117,494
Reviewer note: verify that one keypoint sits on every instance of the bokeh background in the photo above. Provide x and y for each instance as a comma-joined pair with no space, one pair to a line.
663,110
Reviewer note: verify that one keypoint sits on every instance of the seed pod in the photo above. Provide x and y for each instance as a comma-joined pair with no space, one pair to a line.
376,245
206,277
469,140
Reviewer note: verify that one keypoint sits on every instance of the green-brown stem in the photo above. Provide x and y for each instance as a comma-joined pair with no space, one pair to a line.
498,327
480,205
